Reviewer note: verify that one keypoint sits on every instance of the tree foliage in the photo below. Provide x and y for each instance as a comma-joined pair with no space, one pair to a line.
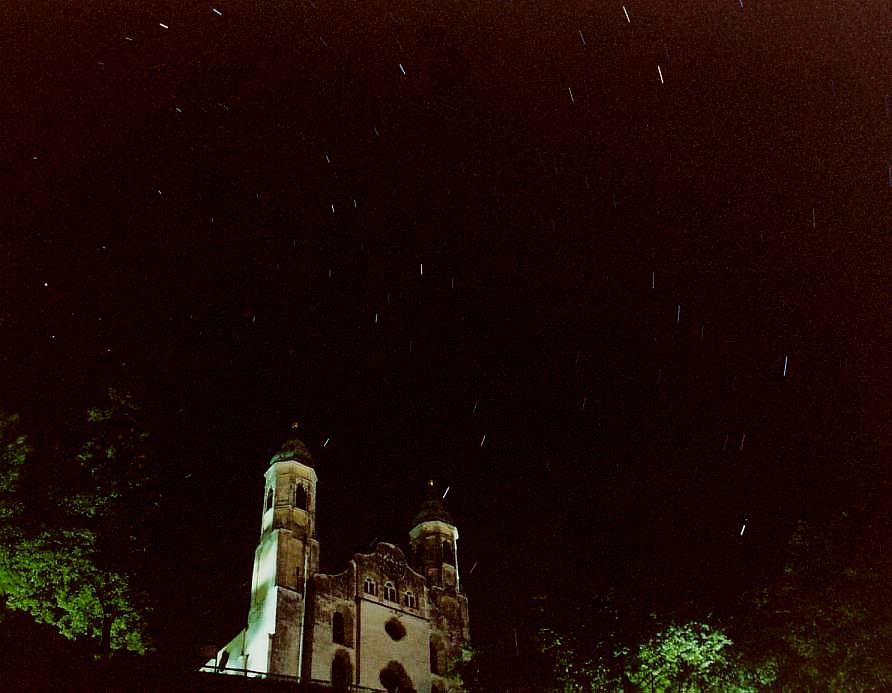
54,576
827,620
596,645
14,451
822,623
694,657
70,525
574,671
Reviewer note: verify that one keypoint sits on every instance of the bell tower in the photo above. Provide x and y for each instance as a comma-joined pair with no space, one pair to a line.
433,542
286,556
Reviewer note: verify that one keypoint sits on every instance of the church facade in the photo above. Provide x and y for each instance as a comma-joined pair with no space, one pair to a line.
389,622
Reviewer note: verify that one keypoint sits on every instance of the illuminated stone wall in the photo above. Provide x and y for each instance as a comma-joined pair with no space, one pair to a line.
332,594
287,549
378,648
231,658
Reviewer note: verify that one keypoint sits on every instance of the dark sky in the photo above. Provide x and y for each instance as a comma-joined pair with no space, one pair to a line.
646,257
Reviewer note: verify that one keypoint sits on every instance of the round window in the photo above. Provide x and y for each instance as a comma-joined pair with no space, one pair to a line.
395,629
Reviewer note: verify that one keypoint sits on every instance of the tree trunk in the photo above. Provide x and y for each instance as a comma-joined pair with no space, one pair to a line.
105,644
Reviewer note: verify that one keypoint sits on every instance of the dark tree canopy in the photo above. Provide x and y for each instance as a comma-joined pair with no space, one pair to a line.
70,517
826,621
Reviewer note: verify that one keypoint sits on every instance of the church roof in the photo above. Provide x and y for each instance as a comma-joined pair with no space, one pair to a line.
432,508
293,449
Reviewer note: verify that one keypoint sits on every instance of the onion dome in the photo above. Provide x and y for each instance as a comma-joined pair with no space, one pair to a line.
293,449
432,508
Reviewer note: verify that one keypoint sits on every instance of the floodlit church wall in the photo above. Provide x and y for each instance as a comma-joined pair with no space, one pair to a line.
333,594
290,561
257,649
378,648
285,641
262,614
264,569
449,616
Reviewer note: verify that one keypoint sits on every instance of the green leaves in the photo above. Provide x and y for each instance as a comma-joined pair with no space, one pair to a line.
54,577
596,646
65,554
111,461
14,451
691,657
583,644
574,670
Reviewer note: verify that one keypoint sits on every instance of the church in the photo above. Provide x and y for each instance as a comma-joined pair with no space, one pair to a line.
388,622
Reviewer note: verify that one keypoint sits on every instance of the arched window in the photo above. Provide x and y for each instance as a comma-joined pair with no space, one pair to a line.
337,628
435,658
341,672
390,592
269,499
448,553
395,679
409,600
369,586
300,497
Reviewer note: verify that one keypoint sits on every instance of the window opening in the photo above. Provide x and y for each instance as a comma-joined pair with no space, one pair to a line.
300,497
395,679
395,629
337,628
390,592
269,499
369,586
341,672
435,658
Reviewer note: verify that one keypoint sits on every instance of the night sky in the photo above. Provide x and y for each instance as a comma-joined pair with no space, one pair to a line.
618,276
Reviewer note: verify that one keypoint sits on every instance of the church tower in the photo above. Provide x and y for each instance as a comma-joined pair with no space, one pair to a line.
286,556
433,542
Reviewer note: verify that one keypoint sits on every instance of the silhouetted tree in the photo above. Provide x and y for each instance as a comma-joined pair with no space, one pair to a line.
70,526
827,620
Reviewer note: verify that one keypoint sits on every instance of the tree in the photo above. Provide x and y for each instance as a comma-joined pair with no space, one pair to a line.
69,556
827,619
14,451
595,645
494,665
693,657
584,645
573,670
54,576
507,655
